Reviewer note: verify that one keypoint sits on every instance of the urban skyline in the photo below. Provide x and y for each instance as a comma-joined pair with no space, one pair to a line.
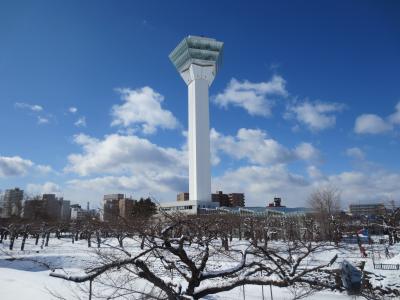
307,96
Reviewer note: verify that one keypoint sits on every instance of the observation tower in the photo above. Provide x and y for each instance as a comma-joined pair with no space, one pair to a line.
197,60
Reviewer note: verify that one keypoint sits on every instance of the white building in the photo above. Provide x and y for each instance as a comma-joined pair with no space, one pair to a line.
191,207
77,213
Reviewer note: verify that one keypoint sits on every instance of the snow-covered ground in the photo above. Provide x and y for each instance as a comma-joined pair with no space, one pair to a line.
25,274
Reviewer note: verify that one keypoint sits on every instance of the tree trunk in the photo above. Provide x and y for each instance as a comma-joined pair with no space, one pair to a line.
265,239
142,243
12,238
89,239
47,239
43,240
23,241
98,239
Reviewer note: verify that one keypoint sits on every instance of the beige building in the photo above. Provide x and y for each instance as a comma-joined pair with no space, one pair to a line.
183,196
125,208
116,206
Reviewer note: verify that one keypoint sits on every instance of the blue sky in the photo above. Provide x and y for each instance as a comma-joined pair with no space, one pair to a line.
307,96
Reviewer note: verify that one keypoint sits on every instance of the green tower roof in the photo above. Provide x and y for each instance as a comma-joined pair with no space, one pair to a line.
197,50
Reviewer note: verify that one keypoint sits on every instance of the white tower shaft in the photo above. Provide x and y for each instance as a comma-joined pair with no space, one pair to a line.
199,141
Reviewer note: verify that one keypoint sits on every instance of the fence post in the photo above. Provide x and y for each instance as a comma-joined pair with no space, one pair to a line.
90,289
270,288
262,287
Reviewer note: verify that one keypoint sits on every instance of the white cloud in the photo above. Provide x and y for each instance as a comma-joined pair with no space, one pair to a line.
314,173
358,186
32,107
42,120
72,109
46,188
355,153
256,98
44,169
395,117
316,116
371,124
260,184
116,154
254,146
163,186
306,151
81,122
142,107
374,124
250,144
11,166
14,166
37,111
134,165
128,163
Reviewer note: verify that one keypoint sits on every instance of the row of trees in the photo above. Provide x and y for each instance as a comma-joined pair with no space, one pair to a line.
181,257
178,256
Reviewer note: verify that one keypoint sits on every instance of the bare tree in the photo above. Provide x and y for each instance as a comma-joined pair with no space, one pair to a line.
325,200
325,203
181,254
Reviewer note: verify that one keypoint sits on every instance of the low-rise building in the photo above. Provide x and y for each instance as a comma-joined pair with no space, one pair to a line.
65,210
236,200
77,213
277,202
115,206
221,198
248,211
111,207
190,207
11,203
52,206
373,209
33,209
183,196
48,207
125,208
226,200
277,206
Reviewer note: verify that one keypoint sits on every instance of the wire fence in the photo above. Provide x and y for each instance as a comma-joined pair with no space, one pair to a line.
386,266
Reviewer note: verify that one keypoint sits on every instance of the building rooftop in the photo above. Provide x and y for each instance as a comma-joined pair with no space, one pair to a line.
197,50
291,210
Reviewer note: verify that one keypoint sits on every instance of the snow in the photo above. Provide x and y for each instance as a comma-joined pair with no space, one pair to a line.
25,274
